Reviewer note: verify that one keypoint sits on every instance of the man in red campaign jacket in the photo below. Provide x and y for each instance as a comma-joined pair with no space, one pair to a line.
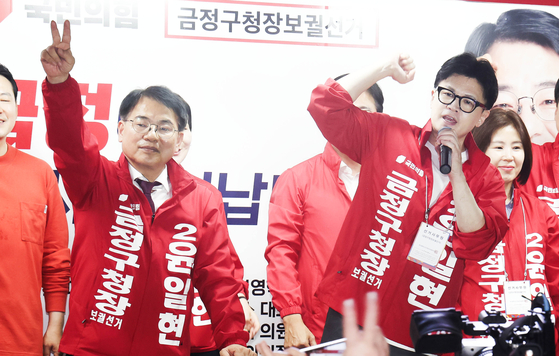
544,177
404,199
307,209
138,252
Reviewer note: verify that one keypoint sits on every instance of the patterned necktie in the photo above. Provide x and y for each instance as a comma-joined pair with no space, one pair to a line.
147,188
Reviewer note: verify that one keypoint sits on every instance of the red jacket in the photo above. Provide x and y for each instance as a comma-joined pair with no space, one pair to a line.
544,176
201,333
307,208
133,279
484,280
383,220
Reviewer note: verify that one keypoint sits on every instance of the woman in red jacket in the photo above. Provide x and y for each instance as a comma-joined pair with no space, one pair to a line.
525,263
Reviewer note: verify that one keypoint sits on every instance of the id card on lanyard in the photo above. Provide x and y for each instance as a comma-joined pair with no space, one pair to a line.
517,298
518,294
428,245
430,241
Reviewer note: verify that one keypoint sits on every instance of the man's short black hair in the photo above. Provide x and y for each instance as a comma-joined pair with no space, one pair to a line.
162,95
518,25
6,74
468,65
374,91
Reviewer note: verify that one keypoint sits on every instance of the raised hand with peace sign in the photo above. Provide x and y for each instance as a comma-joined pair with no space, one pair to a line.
57,59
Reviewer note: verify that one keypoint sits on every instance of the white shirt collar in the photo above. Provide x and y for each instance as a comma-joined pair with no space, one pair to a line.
344,169
163,178
350,181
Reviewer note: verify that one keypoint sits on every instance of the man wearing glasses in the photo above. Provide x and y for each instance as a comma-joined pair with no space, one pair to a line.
410,227
140,224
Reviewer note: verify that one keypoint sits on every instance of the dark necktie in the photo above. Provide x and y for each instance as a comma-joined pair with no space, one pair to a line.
147,188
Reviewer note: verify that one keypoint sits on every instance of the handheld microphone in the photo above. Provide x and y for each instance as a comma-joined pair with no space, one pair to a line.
446,159
446,156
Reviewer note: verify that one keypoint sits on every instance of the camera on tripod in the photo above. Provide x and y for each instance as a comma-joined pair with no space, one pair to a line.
440,331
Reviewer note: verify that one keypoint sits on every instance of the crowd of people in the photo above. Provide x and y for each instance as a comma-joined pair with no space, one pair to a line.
354,246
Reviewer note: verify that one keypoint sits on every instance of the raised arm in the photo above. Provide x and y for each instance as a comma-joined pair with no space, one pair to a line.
76,152
344,125
400,67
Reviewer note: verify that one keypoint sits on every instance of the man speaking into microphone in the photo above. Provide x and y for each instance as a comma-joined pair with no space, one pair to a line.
413,222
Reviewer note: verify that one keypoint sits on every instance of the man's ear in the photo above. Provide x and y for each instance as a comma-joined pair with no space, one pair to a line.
179,142
120,129
484,116
433,98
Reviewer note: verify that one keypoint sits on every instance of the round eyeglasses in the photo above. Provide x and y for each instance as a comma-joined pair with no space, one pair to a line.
543,103
467,105
142,126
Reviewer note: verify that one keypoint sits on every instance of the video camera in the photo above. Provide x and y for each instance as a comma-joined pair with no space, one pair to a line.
440,331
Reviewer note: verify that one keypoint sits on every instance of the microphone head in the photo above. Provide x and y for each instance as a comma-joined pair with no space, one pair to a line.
445,169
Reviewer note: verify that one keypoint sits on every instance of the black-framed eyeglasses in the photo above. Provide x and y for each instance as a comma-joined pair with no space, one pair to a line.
467,105
543,103
142,126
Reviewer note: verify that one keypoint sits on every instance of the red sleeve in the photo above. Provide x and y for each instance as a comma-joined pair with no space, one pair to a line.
56,254
214,277
489,193
239,269
552,256
552,261
76,153
348,128
285,231
201,334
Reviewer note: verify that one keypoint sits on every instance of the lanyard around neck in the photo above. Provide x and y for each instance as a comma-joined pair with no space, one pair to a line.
428,209
525,244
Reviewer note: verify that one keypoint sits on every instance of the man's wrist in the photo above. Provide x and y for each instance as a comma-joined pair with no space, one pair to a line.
58,79
242,297
292,318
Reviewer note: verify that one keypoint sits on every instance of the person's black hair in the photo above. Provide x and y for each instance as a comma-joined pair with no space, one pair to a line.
557,93
5,72
374,91
162,95
468,65
497,119
525,25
